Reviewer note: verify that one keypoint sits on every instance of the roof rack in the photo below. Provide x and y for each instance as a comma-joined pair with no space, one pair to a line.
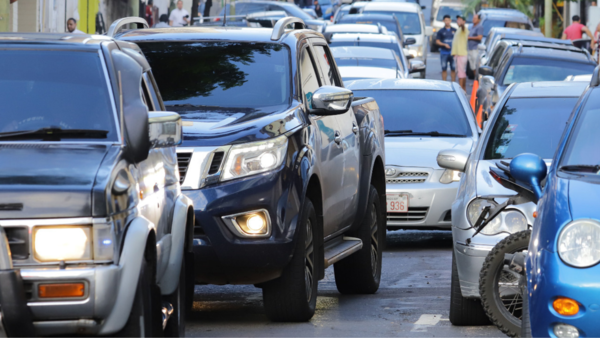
118,24
281,24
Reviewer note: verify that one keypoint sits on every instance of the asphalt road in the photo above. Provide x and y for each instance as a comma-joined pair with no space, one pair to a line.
413,299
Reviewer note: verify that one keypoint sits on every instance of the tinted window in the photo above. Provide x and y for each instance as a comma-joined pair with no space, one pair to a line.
212,73
62,89
453,12
308,75
390,25
409,22
488,24
529,125
582,147
529,69
323,56
385,45
420,110
366,62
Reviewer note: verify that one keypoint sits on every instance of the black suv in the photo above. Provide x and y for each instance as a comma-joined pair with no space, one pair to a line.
285,167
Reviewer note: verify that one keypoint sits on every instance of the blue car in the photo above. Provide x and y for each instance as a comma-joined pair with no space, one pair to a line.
563,274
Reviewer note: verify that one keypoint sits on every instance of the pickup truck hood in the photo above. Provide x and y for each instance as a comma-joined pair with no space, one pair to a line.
217,126
421,151
48,180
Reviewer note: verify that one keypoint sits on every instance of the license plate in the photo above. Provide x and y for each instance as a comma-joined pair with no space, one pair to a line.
397,203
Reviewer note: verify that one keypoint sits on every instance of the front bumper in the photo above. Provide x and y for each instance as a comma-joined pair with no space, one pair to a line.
549,278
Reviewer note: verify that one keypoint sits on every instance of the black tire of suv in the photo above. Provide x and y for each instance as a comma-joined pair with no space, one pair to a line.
145,318
360,273
464,311
526,322
176,324
293,296
492,267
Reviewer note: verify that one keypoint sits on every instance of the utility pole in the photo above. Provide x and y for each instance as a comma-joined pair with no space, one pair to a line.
5,16
548,18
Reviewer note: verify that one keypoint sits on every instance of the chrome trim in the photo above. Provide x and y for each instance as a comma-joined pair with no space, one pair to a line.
200,162
230,221
476,250
112,98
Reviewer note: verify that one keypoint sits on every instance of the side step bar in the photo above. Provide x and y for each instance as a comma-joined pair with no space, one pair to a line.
339,250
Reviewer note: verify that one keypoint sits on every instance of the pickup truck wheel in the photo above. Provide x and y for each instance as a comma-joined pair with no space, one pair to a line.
360,273
145,318
293,296
464,311
176,324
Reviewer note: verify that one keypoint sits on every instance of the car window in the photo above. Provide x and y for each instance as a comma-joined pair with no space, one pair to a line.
71,94
523,69
500,68
490,23
310,81
496,57
582,147
528,125
453,12
244,8
409,22
323,56
420,110
211,73
385,45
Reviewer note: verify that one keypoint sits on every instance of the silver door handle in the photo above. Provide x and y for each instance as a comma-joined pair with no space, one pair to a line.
354,128
338,138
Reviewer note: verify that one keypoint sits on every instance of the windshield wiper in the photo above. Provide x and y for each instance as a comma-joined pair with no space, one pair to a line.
588,168
430,133
54,133
389,132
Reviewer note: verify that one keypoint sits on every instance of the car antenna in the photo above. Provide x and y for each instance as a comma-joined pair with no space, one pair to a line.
224,18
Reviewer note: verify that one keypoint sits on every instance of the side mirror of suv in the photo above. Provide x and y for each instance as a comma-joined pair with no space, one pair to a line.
164,129
453,159
330,100
410,41
416,66
486,70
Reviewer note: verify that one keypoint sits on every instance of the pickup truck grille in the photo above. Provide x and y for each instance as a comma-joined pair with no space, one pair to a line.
18,241
216,163
183,161
414,214
408,177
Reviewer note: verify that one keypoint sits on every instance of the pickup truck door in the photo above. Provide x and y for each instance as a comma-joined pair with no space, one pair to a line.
328,151
349,132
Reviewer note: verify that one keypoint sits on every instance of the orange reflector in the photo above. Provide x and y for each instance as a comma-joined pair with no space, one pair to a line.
566,306
70,290
535,214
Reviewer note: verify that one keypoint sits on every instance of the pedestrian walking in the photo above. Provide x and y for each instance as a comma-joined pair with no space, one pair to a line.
576,30
163,22
444,39
207,6
459,51
475,36
318,9
148,13
72,26
179,17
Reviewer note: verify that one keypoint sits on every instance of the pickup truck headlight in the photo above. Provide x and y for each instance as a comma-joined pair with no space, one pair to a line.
254,158
579,243
65,243
450,176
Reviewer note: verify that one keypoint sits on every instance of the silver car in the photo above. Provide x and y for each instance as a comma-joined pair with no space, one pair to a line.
529,118
421,117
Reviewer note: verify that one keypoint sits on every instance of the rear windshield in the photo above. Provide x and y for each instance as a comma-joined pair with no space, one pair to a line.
385,45
420,111
488,24
54,89
366,62
409,22
529,125
453,12
523,69
220,74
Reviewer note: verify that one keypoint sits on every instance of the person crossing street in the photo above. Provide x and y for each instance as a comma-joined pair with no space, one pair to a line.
444,41
459,51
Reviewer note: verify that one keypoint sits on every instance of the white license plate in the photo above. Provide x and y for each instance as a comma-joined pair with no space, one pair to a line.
397,203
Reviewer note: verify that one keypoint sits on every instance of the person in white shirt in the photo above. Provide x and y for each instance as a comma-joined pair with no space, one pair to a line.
72,26
179,17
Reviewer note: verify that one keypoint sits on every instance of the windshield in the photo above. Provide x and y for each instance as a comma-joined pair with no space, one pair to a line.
220,74
409,22
453,12
488,24
385,45
582,147
529,125
54,89
388,24
420,111
523,69
366,62
296,11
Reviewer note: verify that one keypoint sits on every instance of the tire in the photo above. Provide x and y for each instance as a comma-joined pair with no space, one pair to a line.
176,324
464,311
293,296
145,318
504,311
526,321
360,273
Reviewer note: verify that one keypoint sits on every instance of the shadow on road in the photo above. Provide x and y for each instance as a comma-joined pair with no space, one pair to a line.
410,240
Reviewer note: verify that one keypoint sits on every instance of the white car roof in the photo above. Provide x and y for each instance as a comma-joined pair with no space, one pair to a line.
368,73
392,7
362,52
353,28
363,37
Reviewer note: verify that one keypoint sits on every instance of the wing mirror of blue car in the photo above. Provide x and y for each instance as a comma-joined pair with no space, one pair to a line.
330,100
410,41
164,129
453,159
529,170
486,70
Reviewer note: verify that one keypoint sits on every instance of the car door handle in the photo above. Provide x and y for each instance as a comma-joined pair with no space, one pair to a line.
354,128
338,138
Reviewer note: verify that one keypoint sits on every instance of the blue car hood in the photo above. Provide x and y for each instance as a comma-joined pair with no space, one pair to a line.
583,199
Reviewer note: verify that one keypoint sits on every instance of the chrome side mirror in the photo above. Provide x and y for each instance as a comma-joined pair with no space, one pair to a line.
410,41
481,47
164,129
453,159
489,81
330,100
428,31
416,66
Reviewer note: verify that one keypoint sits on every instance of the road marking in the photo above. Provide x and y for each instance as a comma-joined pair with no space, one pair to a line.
425,321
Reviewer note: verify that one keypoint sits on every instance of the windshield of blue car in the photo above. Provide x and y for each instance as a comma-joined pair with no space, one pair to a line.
529,125
366,62
385,45
220,74
55,89
390,24
525,69
582,148
488,24
409,22
419,111
453,12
